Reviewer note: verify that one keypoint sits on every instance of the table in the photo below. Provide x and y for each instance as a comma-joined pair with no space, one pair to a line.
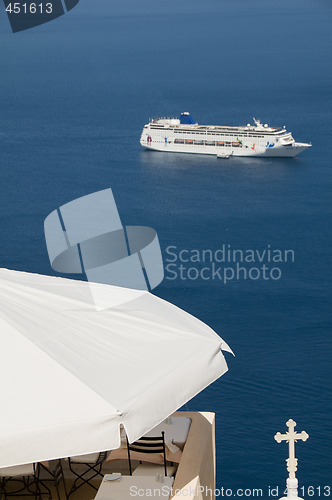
129,487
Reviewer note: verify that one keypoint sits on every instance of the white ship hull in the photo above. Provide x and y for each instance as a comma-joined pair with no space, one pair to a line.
280,152
174,136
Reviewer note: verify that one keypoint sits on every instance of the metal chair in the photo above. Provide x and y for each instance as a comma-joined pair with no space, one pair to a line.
93,463
148,445
54,473
28,474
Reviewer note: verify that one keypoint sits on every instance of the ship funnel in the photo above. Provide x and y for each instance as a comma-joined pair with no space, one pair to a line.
186,119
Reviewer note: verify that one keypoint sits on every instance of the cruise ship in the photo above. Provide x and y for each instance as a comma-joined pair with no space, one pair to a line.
185,136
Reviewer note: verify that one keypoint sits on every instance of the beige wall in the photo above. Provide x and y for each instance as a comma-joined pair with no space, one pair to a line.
197,467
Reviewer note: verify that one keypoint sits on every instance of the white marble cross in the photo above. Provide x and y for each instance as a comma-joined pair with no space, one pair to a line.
291,437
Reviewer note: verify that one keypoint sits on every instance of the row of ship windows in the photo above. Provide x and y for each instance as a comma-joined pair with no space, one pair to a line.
211,133
209,143
214,134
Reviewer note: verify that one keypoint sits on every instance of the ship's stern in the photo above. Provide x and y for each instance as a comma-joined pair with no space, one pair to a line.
144,136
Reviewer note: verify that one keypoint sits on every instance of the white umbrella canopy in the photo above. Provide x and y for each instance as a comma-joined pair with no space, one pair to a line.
71,375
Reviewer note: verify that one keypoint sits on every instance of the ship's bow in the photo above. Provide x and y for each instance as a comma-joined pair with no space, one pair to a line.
298,147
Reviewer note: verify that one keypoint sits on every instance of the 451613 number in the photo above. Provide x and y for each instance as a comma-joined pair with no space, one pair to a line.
32,8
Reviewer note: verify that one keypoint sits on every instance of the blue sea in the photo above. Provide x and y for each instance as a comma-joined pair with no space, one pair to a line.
74,96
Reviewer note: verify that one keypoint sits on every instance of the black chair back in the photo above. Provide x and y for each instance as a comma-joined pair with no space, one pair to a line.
148,445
